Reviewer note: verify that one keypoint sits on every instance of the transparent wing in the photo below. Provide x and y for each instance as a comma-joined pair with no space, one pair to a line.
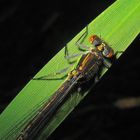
26,117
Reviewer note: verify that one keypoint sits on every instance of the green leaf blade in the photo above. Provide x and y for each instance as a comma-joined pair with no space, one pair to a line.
118,26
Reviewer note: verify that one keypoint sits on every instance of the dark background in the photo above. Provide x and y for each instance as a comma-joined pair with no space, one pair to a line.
32,32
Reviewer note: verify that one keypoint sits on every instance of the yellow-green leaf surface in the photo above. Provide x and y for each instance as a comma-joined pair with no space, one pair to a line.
118,26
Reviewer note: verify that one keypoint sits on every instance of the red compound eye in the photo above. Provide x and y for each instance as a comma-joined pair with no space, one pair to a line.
92,38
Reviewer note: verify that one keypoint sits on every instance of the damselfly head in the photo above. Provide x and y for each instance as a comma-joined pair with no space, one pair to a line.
95,40
100,48
92,38
108,52
105,50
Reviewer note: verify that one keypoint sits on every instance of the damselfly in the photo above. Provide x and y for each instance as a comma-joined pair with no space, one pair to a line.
88,67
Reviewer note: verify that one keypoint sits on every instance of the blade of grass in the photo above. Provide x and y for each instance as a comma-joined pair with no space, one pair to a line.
118,26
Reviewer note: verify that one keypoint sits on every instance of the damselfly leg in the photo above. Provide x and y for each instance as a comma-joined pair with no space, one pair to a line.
79,42
69,57
80,46
61,74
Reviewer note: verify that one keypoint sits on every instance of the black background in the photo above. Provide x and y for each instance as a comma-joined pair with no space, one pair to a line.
32,32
